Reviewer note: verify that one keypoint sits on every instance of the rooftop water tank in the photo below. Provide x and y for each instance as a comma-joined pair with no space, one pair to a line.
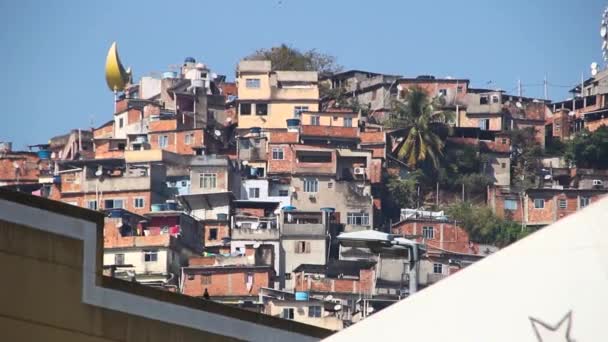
189,60
44,154
288,208
6,146
301,295
255,130
169,74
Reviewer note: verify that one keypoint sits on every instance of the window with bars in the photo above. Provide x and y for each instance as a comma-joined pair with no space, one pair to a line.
150,255
311,185
302,247
438,268
314,311
277,153
252,82
139,202
208,180
428,233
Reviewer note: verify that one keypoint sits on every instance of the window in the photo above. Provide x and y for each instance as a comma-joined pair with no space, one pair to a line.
252,82
297,111
138,202
311,185
459,89
510,204
261,109
494,98
484,124
503,141
121,122
539,203
92,205
562,203
428,232
483,100
150,255
119,259
277,153
163,141
283,193
208,180
302,247
213,234
357,219
188,138
121,147
190,276
438,268
584,201
503,165
330,185
287,313
254,192
113,204
443,92
206,279
184,183
248,278
245,108
315,120
314,311
348,122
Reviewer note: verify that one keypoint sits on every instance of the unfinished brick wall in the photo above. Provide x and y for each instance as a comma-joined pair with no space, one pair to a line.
446,235
281,166
128,198
223,231
364,284
232,282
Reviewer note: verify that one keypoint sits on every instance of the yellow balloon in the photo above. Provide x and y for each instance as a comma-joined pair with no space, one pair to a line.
116,76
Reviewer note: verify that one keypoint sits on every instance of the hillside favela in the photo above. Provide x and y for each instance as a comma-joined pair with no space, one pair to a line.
292,198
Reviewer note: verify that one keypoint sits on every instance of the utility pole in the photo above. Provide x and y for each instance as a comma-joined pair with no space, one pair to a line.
545,86
519,87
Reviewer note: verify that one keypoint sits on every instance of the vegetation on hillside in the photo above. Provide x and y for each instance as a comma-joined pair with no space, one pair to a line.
589,149
284,57
483,226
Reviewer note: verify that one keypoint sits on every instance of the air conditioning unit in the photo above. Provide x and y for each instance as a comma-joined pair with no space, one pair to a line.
312,196
598,182
359,170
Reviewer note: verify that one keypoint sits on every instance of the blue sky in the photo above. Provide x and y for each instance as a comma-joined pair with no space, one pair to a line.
54,52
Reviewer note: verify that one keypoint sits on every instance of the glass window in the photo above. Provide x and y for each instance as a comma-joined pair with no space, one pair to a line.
287,313
428,232
150,255
348,122
188,138
314,311
213,234
252,82
245,108
261,109
315,120
494,98
92,205
510,204
539,203
297,111
283,193
357,219
563,203
483,100
206,279
277,153
585,201
484,124
254,192
119,259
438,268
121,122
163,141
311,185
302,247
443,92
208,180
113,204
138,202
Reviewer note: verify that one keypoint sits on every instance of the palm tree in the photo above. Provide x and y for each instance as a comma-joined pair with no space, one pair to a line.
417,113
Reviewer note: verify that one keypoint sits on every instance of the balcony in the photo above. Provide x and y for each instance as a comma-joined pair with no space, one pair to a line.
255,234
303,223
332,132
432,278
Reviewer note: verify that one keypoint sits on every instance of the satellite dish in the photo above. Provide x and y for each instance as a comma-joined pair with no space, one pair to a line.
217,133
328,298
518,104
244,162
594,69
603,31
337,307
98,173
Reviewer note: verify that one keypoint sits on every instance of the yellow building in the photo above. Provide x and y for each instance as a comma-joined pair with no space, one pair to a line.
268,98
53,289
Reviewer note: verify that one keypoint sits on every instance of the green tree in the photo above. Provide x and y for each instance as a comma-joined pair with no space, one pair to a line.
404,192
284,57
589,149
483,226
526,155
418,114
